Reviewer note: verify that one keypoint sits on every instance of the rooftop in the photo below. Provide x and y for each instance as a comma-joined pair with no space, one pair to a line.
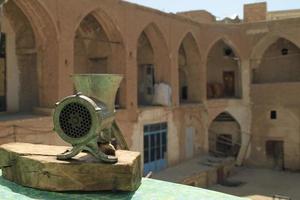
150,189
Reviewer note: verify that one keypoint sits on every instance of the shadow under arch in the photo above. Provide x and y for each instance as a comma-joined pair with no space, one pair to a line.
274,60
153,63
265,42
41,21
44,53
112,39
226,41
223,69
189,34
189,61
225,136
160,51
106,21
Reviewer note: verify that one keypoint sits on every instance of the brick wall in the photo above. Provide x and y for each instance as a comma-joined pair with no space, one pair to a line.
255,12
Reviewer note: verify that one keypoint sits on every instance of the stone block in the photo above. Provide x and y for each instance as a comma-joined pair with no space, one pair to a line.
36,166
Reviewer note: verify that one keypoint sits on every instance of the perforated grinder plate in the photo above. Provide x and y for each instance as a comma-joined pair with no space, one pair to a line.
75,120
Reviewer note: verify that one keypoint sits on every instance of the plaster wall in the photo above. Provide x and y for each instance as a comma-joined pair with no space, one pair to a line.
272,97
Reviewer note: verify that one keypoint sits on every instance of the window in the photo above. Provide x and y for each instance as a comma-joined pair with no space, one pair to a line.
273,114
155,147
2,45
228,52
3,102
284,51
184,93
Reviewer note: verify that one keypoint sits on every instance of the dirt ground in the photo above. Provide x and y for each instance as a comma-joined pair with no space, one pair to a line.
263,184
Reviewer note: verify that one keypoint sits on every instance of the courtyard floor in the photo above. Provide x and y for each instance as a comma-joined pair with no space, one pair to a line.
262,184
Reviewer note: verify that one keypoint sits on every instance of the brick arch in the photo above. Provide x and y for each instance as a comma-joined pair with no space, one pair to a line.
192,35
269,65
189,53
156,53
216,86
42,22
113,35
219,131
215,115
160,49
46,41
107,22
228,42
264,43
117,62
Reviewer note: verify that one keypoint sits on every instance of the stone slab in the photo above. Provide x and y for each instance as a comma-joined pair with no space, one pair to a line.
36,166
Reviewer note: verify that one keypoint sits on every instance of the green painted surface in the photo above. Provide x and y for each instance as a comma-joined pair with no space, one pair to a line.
150,189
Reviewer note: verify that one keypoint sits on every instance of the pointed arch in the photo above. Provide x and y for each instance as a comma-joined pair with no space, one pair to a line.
275,59
46,34
225,136
226,41
36,40
264,43
110,27
99,48
41,21
223,70
153,62
189,70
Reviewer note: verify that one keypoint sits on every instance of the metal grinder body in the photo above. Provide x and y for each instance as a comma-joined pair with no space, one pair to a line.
84,121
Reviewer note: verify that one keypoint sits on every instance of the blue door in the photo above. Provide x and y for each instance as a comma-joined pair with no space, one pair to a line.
155,147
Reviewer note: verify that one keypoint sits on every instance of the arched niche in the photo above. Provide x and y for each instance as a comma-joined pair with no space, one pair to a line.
19,62
224,136
98,49
279,63
223,72
153,64
189,70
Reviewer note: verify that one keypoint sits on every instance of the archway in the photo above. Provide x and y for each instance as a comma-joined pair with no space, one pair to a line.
146,71
280,62
99,50
20,83
153,64
223,72
224,136
189,70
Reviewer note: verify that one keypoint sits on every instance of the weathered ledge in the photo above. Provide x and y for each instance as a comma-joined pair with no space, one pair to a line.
36,166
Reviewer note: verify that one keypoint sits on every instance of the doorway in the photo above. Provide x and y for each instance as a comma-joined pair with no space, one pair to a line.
2,72
189,142
229,83
275,152
155,147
